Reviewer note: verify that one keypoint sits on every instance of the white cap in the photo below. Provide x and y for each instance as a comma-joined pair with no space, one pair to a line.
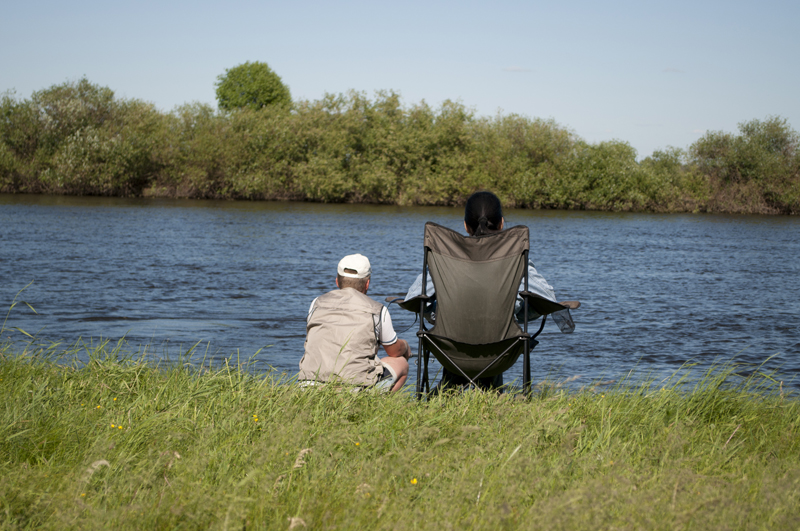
358,263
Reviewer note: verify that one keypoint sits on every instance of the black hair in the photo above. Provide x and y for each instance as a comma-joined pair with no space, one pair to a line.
483,213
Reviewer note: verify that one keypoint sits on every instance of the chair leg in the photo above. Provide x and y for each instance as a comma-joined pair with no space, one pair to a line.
419,369
526,369
425,380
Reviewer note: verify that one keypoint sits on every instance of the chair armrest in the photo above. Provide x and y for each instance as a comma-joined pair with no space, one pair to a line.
412,305
543,306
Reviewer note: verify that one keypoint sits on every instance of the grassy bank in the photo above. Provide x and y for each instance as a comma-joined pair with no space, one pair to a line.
119,444
78,139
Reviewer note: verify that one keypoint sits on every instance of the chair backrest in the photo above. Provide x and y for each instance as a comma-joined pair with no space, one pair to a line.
476,281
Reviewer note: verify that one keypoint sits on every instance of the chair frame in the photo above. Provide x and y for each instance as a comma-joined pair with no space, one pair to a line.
529,341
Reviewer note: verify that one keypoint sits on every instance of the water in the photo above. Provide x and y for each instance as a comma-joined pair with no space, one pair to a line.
657,290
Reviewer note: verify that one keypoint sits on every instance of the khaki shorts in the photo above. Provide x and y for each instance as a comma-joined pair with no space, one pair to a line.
384,383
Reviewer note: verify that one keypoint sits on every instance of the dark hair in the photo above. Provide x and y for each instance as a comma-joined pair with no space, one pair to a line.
483,213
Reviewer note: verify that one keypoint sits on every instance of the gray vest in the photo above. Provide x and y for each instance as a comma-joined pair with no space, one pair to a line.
341,339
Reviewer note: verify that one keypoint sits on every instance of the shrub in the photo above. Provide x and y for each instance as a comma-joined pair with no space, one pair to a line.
761,163
77,138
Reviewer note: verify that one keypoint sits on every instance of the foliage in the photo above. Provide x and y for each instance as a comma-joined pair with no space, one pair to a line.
251,85
762,151
113,442
764,160
77,138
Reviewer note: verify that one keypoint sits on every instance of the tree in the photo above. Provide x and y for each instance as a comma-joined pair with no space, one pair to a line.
764,149
252,85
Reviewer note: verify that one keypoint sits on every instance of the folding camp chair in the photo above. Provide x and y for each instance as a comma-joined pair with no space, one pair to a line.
476,282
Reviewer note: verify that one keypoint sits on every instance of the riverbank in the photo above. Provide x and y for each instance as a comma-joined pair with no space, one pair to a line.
78,139
119,443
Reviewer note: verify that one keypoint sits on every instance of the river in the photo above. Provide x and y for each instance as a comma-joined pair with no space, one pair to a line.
657,290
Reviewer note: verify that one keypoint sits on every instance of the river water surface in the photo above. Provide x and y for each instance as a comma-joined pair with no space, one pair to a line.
657,290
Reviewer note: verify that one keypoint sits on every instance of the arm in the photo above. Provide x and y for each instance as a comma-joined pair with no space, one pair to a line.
394,347
398,349
538,285
415,290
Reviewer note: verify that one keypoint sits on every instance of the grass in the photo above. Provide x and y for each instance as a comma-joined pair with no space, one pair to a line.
118,443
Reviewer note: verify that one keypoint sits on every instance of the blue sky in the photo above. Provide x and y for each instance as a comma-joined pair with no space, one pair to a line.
653,74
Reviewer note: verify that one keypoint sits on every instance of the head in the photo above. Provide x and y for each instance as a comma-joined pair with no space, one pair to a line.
354,271
483,214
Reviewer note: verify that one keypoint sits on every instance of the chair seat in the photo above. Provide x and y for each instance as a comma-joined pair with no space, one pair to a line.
476,361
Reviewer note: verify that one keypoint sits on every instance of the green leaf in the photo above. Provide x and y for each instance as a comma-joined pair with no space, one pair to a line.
18,329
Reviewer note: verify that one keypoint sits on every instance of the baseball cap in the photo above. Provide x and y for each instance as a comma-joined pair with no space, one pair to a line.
358,263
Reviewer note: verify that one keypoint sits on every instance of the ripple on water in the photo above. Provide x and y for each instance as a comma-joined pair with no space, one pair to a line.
658,290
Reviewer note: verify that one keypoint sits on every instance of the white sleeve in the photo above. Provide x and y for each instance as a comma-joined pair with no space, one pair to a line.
387,330
311,309
537,284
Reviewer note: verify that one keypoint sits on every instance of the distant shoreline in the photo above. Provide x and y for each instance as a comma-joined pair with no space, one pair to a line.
78,139
687,207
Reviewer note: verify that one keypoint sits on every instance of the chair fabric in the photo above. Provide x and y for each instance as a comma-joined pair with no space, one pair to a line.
476,280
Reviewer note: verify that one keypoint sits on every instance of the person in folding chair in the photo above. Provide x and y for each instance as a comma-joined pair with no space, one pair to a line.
478,292
343,330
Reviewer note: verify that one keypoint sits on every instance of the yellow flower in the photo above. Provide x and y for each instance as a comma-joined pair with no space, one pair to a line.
357,444
115,399
83,494
120,427
98,407
414,481
113,426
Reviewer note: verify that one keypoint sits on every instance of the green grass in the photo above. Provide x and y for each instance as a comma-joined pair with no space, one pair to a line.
117,443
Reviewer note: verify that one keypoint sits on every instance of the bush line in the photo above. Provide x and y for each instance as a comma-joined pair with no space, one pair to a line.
78,139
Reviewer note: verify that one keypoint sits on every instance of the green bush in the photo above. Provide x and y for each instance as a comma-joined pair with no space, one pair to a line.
20,134
762,162
117,158
521,156
77,138
199,154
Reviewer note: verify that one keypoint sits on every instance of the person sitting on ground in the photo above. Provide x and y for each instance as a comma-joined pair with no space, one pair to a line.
483,214
343,330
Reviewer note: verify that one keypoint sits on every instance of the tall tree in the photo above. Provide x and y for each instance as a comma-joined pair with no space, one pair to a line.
252,85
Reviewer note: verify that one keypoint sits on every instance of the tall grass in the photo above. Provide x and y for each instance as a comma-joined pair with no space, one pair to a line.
77,138
116,442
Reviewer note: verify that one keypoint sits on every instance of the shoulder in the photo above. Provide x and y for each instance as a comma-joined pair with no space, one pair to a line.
375,305
353,299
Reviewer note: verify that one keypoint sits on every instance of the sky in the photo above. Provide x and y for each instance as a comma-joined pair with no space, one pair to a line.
653,74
